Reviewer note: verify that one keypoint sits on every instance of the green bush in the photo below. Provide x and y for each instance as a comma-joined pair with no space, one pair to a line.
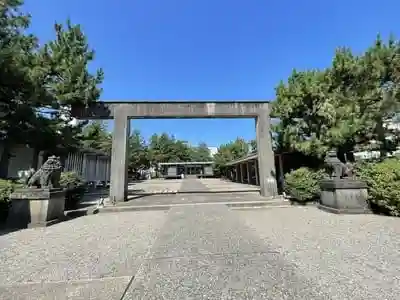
6,188
303,184
383,179
75,189
70,179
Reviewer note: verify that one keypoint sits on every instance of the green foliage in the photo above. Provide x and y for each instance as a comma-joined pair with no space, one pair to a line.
66,60
165,148
38,84
138,152
253,145
383,179
201,153
143,154
6,188
303,184
95,136
230,151
70,179
343,106
75,189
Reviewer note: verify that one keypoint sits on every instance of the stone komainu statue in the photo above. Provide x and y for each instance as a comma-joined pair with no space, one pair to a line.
48,176
337,168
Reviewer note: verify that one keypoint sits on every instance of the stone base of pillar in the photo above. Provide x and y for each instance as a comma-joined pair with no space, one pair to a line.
344,196
270,188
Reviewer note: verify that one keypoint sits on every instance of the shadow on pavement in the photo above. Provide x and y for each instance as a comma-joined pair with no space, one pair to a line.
4,230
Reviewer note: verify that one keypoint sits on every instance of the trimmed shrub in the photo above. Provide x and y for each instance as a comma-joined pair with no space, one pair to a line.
303,184
75,189
383,179
6,188
70,179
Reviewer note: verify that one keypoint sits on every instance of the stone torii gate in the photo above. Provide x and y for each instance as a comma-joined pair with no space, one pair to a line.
122,112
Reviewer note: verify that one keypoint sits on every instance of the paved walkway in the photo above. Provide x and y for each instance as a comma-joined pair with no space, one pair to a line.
156,186
195,191
215,184
205,252
188,185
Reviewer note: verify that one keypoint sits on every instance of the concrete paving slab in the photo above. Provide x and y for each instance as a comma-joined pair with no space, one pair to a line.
195,198
353,257
83,249
216,184
96,289
204,253
189,185
155,186
202,196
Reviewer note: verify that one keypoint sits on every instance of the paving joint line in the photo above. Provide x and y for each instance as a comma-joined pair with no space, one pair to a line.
196,204
82,280
141,266
250,253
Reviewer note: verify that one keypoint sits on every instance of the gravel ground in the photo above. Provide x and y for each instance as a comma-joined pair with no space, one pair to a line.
86,252
350,256
205,252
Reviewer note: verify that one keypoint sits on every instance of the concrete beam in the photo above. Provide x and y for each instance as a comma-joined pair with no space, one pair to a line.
252,156
266,159
167,110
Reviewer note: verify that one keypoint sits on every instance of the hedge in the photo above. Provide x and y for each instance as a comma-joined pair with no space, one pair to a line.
303,184
75,189
6,188
383,179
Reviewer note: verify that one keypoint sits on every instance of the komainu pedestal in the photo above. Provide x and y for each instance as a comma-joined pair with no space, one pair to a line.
42,201
341,193
344,196
36,207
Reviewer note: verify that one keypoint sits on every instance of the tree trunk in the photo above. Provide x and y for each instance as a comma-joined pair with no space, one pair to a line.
380,130
4,160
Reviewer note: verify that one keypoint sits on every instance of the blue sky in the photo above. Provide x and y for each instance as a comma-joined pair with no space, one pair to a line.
212,49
